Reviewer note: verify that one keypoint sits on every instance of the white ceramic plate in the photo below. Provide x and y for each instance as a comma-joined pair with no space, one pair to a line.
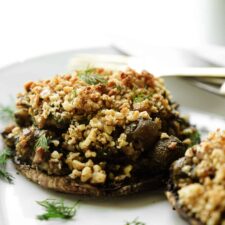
18,201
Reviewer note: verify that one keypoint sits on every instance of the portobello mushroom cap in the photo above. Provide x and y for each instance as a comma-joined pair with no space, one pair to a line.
97,132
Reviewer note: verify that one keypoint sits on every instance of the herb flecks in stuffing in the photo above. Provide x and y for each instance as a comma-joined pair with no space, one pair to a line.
140,97
91,77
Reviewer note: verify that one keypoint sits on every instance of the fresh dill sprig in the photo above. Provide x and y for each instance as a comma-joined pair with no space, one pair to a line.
4,156
135,222
89,76
4,175
57,209
6,112
42,142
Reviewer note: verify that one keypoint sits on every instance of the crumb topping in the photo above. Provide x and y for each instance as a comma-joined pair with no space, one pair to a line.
201,188
91,123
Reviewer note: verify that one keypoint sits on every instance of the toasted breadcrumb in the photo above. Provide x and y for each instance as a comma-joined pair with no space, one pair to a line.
202,190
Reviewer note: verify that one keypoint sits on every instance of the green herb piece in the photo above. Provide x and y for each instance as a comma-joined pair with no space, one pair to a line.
89,70
42,142
140,97
93,79
195,138
119,88
135,222
6,112
4,156
5,175
90,77
74,93
57,209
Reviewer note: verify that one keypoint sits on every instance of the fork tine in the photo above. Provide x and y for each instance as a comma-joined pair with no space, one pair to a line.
211,80
207,87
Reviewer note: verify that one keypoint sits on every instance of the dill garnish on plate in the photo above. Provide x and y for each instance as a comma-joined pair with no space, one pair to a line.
135,222
6,112
57,209
4,156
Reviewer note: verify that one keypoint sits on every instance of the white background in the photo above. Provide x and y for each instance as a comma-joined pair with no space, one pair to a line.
30,28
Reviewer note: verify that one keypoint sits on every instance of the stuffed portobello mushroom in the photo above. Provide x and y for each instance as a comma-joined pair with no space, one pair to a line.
197,182
98,132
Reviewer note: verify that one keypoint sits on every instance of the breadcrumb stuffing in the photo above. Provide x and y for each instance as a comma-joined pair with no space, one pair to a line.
86,117
202,190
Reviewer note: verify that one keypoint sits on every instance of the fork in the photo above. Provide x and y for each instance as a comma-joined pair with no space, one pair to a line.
211,79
